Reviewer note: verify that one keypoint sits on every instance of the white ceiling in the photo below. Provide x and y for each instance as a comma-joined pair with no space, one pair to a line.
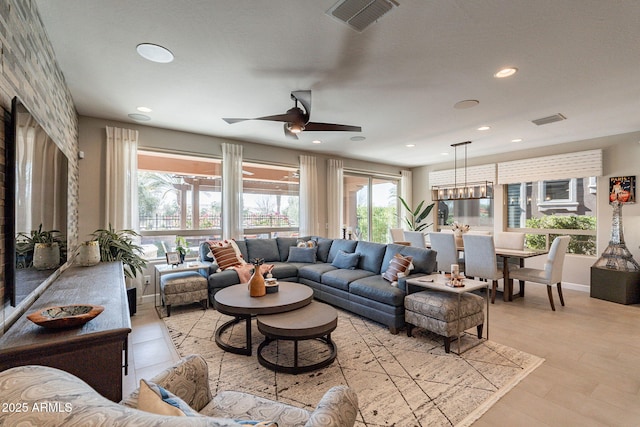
399,79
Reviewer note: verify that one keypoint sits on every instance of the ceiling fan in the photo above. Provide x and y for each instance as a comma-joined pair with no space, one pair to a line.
296,119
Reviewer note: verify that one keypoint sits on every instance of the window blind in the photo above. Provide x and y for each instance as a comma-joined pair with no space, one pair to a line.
562,166
474,174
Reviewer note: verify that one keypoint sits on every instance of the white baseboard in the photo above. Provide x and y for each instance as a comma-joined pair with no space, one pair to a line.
148,299
576,287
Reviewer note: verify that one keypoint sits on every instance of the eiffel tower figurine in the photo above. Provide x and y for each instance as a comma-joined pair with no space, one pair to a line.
617,256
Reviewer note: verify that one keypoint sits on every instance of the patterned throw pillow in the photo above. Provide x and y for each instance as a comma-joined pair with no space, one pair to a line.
256,423
398,264
226,254
157,400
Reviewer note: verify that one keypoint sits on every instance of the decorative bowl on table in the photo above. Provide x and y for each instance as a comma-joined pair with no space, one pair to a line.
65,316
271,285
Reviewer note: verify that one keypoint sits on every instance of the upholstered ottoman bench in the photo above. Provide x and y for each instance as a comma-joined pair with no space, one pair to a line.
183,288
438,312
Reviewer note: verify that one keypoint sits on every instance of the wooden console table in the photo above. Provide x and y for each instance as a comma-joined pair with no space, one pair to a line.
93,352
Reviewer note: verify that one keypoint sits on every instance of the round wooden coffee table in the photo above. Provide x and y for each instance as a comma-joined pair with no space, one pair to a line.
313,321
235,301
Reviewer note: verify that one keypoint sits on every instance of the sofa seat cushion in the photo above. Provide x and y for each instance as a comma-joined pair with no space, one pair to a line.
244,406
223,279
377,289
314,271
341,278
283,270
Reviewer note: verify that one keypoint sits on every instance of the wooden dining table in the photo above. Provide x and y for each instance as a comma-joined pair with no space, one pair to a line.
521,255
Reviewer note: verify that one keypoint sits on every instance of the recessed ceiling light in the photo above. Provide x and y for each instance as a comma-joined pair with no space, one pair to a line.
444,154
517,140
316,141
484,128
139,117
505,72
357,138
144,109
155,53
410,145
467,103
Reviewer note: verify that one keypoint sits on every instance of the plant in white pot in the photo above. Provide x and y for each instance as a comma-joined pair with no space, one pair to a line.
119,246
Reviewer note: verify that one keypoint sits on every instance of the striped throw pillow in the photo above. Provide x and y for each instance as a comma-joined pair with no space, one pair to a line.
398,264
225,256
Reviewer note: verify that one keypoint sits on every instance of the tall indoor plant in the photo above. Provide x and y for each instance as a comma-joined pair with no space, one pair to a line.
119,246
415,217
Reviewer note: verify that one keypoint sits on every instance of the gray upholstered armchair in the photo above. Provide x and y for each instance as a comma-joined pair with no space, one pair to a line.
77,404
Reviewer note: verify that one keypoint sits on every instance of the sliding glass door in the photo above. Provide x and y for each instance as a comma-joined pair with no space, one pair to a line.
370,206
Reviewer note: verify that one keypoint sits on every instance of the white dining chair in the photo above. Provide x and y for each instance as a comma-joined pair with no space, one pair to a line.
397,234
446,252
552,272
480,260
415,238
509,240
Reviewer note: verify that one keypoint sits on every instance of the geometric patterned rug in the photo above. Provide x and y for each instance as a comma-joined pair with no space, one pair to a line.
400,381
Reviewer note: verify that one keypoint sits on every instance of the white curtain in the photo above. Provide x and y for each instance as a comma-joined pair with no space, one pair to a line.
121,201
232,191
406,192
308,196
335,185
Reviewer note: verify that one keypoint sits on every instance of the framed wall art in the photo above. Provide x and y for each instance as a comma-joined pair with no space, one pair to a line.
622,189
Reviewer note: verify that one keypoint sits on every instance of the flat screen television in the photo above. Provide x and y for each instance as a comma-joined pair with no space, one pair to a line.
36,203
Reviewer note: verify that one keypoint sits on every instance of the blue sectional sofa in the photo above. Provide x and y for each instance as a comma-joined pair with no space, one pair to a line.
361,290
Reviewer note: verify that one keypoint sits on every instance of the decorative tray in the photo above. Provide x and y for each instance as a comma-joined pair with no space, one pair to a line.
65,316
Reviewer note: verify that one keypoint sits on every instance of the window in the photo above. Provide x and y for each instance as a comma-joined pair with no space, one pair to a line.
178,195
542,208
271,200
477,213
370,206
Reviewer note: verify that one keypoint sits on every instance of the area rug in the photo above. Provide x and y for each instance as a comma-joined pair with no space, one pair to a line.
399,380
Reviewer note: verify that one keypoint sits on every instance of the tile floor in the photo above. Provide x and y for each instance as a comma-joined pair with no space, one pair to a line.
590,376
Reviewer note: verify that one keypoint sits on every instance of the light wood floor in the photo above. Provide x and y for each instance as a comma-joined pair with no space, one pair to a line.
590,377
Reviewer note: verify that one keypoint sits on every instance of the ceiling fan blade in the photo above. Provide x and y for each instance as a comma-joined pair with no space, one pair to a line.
331,127
288,133
304,97
232,121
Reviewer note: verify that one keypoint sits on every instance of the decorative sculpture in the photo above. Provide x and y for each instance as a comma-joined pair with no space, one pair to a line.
617,256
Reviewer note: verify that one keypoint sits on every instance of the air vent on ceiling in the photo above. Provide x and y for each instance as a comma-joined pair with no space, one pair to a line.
359,14
550,119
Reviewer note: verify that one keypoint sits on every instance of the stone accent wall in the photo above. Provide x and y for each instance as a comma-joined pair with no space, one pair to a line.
28,69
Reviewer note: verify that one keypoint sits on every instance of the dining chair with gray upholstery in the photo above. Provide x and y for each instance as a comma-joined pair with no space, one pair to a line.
446,252
416,238
480,260
552,272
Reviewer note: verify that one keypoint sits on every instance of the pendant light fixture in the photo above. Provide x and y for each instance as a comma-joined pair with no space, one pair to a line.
466,190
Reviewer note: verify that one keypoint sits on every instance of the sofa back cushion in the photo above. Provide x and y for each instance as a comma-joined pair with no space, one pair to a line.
389,254
324,245
423,260
371,255
284,243
348,246
266,249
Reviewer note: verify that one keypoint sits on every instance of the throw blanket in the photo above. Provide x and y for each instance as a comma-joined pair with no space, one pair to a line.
246,270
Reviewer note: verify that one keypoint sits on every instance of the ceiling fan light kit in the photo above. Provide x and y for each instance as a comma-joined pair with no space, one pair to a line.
466,191
296,119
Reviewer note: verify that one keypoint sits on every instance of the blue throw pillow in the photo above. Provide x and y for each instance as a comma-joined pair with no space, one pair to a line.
307,255
346,260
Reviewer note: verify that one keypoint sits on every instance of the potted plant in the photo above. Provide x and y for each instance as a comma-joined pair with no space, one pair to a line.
415,217
119,246
182,247
43,250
